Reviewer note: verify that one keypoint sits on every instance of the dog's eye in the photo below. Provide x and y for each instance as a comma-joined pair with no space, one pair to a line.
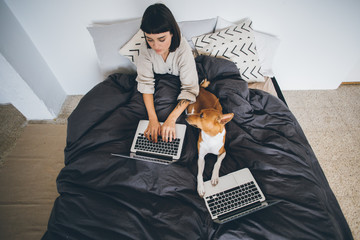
201,115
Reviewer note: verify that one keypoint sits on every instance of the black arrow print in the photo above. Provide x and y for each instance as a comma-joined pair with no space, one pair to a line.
196,45
236,30
233,51
226,32
135,50
225,52
211,37
241,50
203,41
219,35
242,27
253,71
244,73
250,49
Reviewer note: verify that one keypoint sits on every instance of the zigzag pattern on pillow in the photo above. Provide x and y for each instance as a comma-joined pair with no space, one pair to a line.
131,49
237,44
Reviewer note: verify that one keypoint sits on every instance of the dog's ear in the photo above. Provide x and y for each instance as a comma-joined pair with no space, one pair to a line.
225,118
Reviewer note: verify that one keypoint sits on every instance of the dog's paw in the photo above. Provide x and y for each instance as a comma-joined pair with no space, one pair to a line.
201,189
204,83
215,179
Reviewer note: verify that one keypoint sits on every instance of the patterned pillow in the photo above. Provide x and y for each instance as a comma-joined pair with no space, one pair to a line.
131,49
237,44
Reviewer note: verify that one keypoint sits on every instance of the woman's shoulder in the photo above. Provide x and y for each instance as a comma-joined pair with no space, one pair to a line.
146,53
184,47
184,55
184,43
144,49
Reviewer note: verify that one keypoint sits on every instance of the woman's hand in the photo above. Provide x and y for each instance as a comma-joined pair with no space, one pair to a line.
153,130
168,130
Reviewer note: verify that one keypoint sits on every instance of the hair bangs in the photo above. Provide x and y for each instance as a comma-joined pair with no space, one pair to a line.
155,25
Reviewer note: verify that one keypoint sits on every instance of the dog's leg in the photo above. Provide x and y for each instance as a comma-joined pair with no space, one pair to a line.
200,180
215,173
201,166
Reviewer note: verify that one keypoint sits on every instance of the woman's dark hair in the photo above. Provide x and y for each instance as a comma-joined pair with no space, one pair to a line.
158,18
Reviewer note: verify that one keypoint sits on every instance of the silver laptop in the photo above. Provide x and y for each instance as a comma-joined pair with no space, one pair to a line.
237,194
160,152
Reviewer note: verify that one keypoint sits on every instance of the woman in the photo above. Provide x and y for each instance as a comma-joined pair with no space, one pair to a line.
166,52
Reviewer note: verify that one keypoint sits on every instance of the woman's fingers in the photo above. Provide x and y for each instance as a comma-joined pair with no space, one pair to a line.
154,135
152,132
168,133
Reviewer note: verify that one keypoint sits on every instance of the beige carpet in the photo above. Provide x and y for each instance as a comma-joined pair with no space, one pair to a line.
12,123
330,120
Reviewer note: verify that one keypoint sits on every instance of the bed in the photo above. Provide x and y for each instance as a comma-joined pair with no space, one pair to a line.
108,197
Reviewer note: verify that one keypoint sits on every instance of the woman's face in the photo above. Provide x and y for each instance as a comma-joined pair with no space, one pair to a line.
159,42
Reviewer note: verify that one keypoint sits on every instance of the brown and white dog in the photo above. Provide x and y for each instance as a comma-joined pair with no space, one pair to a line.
206,114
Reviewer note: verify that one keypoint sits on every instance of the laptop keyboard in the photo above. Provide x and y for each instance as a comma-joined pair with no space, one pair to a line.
168,148
234,198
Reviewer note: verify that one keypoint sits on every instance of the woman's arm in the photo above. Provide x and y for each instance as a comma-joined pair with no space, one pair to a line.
189,88
168,128
145,79
154,127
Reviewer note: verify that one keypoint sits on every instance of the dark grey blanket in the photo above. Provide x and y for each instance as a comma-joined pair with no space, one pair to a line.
107,197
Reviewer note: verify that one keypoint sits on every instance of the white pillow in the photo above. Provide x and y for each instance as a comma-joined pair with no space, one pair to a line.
108,38
237,44
266,46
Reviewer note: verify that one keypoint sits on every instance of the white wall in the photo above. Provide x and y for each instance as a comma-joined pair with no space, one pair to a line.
354,74
20,56
16,91
319,39
58,30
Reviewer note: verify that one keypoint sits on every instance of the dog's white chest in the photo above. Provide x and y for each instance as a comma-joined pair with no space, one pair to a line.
211,144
